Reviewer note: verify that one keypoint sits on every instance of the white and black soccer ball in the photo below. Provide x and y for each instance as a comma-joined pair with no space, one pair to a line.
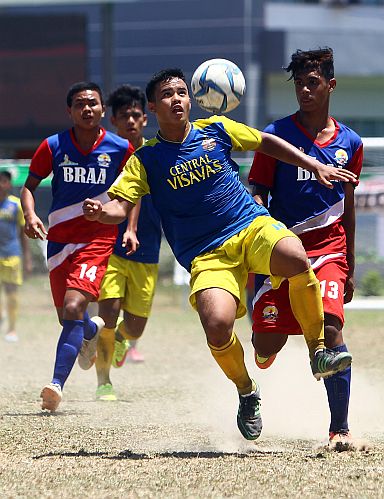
218,85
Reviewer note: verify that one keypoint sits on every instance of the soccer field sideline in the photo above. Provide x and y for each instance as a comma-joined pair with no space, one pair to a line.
366,304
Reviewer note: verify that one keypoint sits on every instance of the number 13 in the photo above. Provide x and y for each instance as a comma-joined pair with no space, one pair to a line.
330,288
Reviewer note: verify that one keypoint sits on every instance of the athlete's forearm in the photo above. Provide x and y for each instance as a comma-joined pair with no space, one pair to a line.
27,201
112,213
133,217
285,152
280,149
349,224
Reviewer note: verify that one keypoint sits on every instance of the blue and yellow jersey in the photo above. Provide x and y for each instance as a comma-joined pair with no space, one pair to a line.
11,220
195,185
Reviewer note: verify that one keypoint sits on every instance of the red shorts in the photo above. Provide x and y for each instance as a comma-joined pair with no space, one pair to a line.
83,270
271,308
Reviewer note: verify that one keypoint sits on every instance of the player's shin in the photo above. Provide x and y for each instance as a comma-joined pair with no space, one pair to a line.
69,345
307,307
12,309
230,358
338,391
105,348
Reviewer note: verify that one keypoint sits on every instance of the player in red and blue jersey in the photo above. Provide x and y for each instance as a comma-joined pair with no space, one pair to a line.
130,280
82,160
216,230
324,219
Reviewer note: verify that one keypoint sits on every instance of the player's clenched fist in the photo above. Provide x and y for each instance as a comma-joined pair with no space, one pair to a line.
92,209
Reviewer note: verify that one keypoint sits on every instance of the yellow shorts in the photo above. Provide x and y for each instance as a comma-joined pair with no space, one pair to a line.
227,266
11,271
133,282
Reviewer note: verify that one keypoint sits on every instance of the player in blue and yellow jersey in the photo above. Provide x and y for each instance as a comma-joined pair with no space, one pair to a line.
216,229
130,280
323,219
83,160
14,251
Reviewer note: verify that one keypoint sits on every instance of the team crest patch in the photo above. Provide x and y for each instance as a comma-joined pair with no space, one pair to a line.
208,144
341,157
67,162
104,159
270,313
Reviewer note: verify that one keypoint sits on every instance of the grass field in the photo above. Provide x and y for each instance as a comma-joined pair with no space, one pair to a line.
173,433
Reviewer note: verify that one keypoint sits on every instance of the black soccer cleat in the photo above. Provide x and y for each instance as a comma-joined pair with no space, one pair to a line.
326,363
248,417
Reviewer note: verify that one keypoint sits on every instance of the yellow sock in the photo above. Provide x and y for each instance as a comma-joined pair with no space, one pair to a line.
105,348
12,309
230,358
307,307
124,333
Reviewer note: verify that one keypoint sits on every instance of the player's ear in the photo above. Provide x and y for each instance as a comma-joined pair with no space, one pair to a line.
152,107
103,111
332,84
145,119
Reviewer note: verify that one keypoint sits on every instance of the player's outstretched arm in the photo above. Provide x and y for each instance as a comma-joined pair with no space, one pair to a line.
282,150
113,212
34,227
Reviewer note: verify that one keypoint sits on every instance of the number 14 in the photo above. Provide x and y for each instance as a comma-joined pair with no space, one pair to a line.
90,273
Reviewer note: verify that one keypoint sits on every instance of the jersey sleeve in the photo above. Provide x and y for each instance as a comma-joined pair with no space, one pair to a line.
356,163
242,137
262,170
128,154
41,163
132,183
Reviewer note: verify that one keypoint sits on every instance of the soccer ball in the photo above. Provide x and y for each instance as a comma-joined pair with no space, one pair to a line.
218,85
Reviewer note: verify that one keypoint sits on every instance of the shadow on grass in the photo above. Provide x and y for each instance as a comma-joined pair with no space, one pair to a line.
46,414
137,456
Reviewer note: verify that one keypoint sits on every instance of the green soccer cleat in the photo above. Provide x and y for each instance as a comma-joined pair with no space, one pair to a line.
248,417
106,393
326,363
120,353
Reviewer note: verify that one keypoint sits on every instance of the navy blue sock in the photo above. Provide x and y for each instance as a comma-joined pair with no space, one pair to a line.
68,347
338,389
90,327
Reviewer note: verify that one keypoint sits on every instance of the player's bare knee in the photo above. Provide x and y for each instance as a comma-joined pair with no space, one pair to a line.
289,258
217,330
268,344
73,310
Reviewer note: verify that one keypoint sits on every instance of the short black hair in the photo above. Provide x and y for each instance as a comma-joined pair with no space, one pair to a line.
320,60
163,75
7,174
125,95
79,87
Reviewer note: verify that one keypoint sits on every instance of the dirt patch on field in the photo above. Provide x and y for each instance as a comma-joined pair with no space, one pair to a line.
173,431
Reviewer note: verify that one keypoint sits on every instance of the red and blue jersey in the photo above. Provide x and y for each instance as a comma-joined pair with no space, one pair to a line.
309,209
194,185
77,175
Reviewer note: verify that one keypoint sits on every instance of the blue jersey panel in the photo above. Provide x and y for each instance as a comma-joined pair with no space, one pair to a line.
209,204
148,234
9,228
78,175
296,194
